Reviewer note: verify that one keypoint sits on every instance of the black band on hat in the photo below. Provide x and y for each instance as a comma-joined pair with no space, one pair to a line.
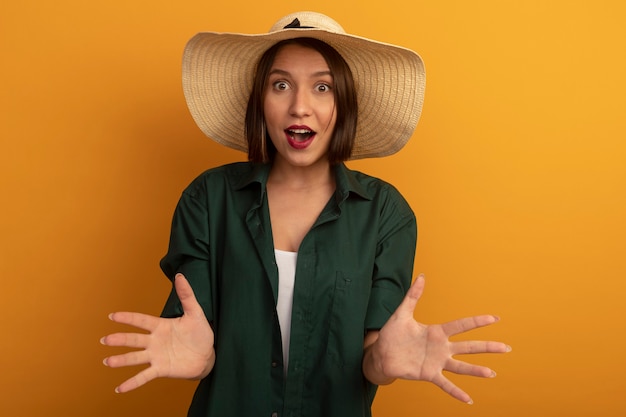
295,24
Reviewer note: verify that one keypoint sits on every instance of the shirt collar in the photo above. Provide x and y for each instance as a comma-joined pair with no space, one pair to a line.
348,182
258,173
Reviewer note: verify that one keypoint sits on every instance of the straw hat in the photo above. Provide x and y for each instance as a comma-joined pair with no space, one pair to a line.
218,72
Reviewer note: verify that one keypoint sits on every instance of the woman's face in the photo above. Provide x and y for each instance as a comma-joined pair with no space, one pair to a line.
299,106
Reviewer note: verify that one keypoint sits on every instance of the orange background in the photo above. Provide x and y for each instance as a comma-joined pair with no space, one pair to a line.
517,174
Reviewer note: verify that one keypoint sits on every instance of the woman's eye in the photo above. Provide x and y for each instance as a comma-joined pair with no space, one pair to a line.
323,88
281,85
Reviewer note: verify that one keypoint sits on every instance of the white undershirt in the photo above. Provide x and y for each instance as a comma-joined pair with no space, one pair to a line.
286,262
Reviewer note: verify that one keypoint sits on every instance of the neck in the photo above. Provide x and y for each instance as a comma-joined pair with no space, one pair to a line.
306,177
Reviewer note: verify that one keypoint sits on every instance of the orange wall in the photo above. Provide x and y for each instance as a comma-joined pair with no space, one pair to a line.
517,173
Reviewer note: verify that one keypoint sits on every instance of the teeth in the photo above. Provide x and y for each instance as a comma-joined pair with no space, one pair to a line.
300,131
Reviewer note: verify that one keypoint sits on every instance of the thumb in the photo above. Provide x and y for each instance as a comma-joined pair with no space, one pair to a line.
186,296
412,296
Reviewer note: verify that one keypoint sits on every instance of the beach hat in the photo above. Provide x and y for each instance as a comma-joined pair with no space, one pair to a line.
219,68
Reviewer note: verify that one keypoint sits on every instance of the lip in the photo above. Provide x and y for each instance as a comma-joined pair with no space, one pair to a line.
299,144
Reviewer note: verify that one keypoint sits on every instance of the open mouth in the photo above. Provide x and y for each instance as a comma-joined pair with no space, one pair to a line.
300,135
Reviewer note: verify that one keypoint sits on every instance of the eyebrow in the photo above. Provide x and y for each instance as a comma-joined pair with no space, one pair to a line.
286,73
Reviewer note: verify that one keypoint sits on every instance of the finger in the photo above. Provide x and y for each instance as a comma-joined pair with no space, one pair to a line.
464,368
127,359
138,380
407,306
474,346
186,296
131,340
469,323
448,386
139,320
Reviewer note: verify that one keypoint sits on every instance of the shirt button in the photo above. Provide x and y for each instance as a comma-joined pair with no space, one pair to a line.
274,364
274,414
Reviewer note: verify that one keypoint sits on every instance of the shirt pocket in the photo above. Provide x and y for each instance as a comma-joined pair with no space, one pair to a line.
346,329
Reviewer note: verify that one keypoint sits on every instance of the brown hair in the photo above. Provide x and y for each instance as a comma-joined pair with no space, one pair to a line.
260,148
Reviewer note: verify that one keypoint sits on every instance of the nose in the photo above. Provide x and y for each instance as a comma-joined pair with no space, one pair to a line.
300,103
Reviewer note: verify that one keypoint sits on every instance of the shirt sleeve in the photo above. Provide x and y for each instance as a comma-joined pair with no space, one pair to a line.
393,266
189,253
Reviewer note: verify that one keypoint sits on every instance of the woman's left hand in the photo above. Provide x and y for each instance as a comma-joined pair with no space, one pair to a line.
407,349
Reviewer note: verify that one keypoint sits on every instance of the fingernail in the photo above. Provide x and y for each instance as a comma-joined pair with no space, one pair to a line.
493,374
117,390
470,402
102,341
104,361
509,348
110,316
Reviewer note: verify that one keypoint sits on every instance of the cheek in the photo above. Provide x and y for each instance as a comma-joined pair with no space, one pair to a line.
272,123
270,114
331,111
331,117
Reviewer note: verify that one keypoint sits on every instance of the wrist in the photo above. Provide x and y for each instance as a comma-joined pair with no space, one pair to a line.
374,365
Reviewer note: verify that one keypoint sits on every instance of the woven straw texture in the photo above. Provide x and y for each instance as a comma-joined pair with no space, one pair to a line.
218,71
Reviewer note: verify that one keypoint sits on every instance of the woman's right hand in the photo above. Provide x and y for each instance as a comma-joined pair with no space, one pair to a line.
174,347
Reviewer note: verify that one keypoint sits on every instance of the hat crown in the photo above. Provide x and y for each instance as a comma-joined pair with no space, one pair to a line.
307,20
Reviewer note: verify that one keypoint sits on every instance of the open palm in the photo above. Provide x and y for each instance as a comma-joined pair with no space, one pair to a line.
412,350
176,348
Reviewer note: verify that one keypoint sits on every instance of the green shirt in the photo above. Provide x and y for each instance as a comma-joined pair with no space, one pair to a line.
353,268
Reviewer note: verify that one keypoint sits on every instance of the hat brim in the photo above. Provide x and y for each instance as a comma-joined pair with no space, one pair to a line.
218,72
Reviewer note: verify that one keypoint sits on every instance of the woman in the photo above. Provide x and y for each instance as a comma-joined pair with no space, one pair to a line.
301,267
